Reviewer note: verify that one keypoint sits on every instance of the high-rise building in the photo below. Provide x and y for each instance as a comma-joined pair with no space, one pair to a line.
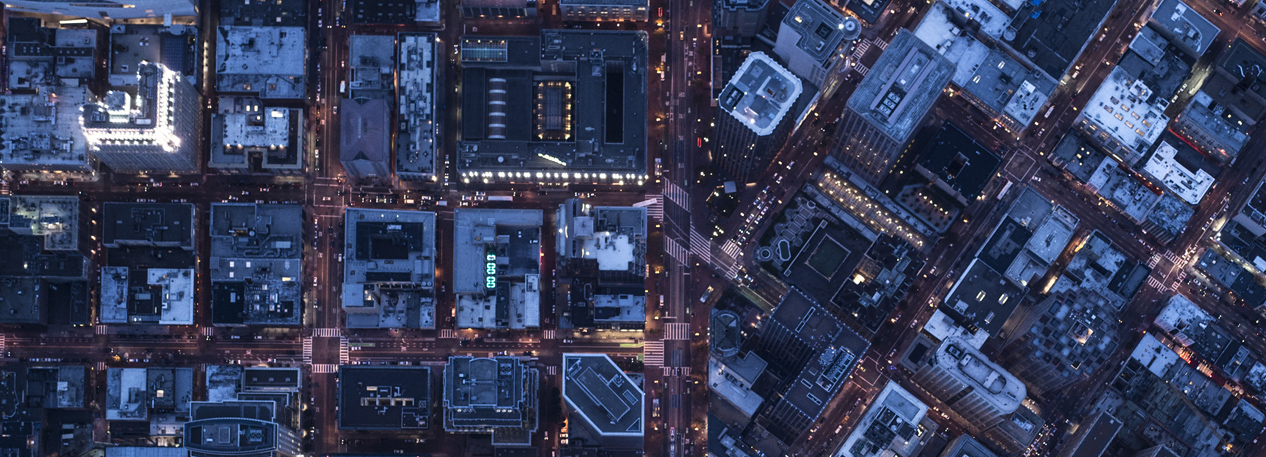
1092,436
888,104
239,428
365,138
810,38
1062,340
759,106
491,395
962,378
159,129
741,18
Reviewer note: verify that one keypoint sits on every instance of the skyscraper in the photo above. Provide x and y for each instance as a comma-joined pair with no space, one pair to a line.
977,389
159,129
760,105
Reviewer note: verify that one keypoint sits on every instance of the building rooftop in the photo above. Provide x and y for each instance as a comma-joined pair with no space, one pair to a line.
496,267
1157,64
567,106
1185,26
257,13
415,141
255,263
1092,437
820,28
959,161
603,395
1124,189
1189,184
269,61
760,94
890,424
992,20
973,368
244,128
56,388
1223,114
53,218
1120,109
1054,32
1170,216
389,268
733,378
365,135
243,428
1243,62
497,395
42,131
613,237
133,44
966,446
391,12
132,392
901,86
148,224
384,398
1100,267
981,298
371,66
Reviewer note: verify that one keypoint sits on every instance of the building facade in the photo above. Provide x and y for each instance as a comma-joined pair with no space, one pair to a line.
159,130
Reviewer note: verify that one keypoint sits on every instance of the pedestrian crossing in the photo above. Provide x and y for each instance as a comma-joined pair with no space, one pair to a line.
1151,262
675,371
1156,284
327,333
653,352
731,248
655,210
307,350
100,329
344,352
324,368
547,334
860,49
676,251
448,333
861,69
551,370
881,44
700,246
208,331
101,366
1170,256
733,270
677,331
677,195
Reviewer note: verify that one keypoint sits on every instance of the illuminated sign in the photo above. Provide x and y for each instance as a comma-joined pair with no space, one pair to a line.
490,271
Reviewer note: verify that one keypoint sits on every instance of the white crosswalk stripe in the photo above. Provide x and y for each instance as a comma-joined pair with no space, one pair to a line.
100,329
324,368
861,49
677,331
344,352
655,210
1155,259
733,270
862,69
731,248
700,246
1169,255
1,342
547,334
676,371
551,370
307,350
101,366
676,251
1156,284
677,195
448,333
881,44
327,333
653,352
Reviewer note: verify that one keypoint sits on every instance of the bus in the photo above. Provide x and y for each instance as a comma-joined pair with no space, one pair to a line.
1005,188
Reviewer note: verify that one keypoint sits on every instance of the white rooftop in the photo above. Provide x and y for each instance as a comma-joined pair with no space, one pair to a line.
275,131
42,131
1181,313
949,40
1186,25
993,21
726,384
761,93
1188,185
942,327
1119,107
259,51
892,403
1154,355
114,288
177,286
415,152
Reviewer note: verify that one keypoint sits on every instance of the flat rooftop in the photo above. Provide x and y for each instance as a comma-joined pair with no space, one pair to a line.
1056,31
566,106
270,61
42,131
389,268
365,136
255,263
1187,182
244,128
1098,432
384,398
965,165
390,12
371,60
148,224
1122,188
415,138
992,20
820,28
497,395
496,267
276,13
760,94
600,393
901,86
53,218
969,366
890,423
1184,25
1241,60
1120,107
982,298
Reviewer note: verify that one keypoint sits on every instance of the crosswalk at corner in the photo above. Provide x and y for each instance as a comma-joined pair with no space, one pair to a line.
307,350
676,251
100,329
547,334
1156,284
677,195
1155,259
551,370
327,333
655,210
700,246
448,333
653,352
208,331
677,331
344,351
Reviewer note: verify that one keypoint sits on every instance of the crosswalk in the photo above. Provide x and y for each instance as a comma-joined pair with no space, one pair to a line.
677,331
208,331
676,251
861,69
100,329
101,366
860,49
731,248
655,210
1156,284
653,352
344,351
700,246
1151,262
733,270
1170,256
677,195
551,370
448,333
327,333
881,44
547,334
675,371
324,368
307,350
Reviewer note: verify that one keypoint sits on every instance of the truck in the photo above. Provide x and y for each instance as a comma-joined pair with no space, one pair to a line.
500,198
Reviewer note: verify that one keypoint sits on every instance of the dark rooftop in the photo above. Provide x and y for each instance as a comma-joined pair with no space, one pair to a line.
960,161
382,398
148,224
1053,32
